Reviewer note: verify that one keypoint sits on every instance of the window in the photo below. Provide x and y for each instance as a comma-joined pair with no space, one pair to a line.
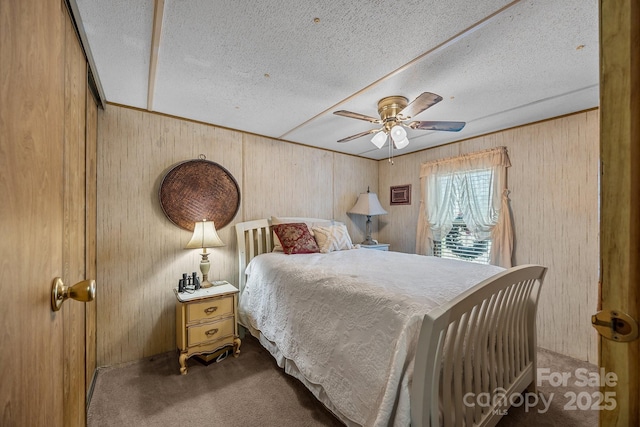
464,209
471,187
460,243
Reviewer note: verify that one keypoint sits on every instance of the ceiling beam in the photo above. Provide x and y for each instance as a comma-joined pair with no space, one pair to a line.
158,13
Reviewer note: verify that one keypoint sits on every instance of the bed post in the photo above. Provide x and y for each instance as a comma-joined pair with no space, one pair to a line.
242,256
426,372
254,238
533,335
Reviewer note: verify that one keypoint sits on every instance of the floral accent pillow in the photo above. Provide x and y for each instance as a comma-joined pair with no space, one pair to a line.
277,246
333,238
296,238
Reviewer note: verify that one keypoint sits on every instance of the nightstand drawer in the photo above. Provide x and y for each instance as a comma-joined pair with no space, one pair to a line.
210,309
210,331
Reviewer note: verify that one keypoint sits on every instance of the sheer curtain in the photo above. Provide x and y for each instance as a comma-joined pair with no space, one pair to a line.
475,187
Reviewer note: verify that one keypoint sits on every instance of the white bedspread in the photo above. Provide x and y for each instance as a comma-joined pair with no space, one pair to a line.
349,321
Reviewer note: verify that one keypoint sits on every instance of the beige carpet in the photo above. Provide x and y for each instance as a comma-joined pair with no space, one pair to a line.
252,391
562,410
246,391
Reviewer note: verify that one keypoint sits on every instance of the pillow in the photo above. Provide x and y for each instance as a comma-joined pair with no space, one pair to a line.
277,246
332,238
296,238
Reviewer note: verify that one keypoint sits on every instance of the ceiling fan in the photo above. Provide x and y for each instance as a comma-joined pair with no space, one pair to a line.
395,115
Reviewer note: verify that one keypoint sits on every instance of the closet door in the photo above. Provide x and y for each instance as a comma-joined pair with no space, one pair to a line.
91,233
47,230
75,227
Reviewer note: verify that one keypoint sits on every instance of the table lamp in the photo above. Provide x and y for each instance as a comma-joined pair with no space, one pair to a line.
369,205
204,236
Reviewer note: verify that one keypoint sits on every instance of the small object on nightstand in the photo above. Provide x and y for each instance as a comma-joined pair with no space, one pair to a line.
206,321
377,246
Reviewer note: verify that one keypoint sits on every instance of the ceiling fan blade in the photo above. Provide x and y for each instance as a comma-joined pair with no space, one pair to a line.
421,103
446,126
357,116
359,135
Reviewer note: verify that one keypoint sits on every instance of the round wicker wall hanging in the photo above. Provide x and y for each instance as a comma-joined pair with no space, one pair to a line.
199,189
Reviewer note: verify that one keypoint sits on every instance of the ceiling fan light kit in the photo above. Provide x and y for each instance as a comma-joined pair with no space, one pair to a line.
399,136
379,139
395,113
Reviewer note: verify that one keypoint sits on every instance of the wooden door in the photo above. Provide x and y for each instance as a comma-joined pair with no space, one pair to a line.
620,198
31,210
91,233
43,216
74,232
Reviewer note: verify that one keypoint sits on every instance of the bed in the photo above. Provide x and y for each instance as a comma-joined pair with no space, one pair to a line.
385,338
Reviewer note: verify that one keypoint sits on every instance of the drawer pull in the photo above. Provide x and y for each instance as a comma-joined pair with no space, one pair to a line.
210,310
211,332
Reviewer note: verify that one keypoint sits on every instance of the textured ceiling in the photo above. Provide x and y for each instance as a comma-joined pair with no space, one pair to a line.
279,68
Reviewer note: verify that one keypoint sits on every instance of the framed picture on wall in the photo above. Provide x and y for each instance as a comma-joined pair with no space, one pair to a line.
400,195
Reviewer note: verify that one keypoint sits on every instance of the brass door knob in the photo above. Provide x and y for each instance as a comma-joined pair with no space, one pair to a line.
82,291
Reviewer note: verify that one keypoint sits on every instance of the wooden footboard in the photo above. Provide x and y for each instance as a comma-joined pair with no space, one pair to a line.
479,348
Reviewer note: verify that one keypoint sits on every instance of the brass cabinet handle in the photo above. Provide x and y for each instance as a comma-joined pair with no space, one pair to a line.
211,332
210,310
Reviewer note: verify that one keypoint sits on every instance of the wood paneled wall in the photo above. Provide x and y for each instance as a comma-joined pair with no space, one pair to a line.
140,252
554,199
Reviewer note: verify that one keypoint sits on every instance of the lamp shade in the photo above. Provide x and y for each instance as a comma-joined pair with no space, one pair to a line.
379,139
402,143
367,204
398,133
399,136
204,236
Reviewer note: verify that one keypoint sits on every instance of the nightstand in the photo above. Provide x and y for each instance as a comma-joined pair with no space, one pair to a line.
378,247
206,321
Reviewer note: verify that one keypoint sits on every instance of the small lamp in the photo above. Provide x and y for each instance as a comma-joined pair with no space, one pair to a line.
204,236
369,205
